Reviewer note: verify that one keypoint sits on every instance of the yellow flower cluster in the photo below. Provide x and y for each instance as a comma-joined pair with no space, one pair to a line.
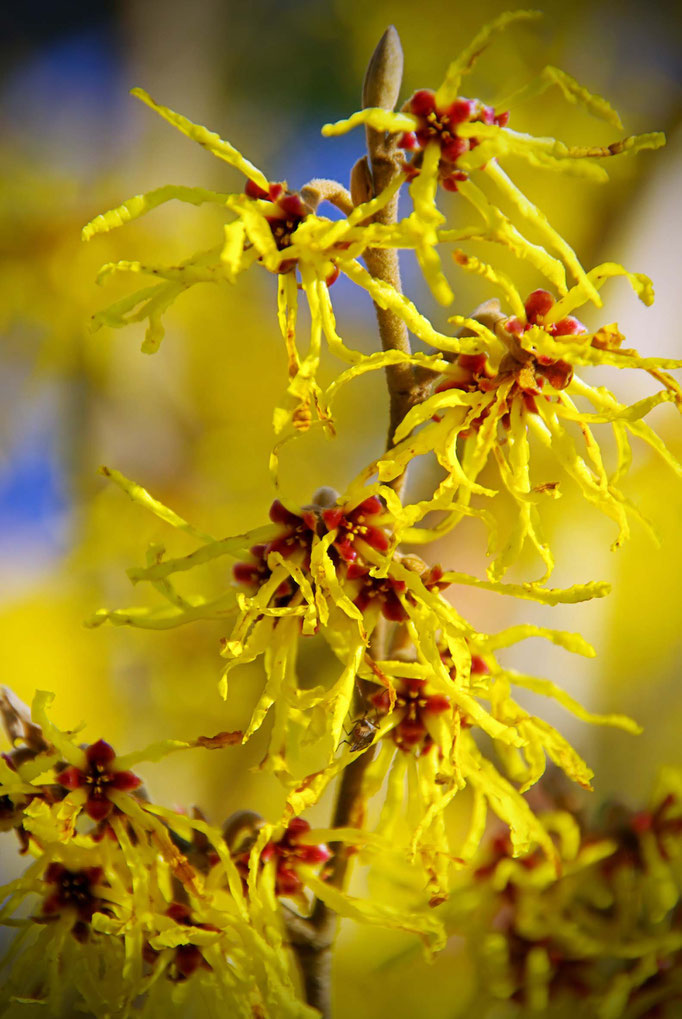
520,391
281,230
415,684
277,229
449,137
505,382
123,915
137,909
332,569
605,937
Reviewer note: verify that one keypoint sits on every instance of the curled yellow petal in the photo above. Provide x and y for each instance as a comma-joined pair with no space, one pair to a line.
447,93
207,139
375,117
139,205
141,496
549,689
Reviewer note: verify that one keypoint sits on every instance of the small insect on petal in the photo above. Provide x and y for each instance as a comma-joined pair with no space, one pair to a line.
361,735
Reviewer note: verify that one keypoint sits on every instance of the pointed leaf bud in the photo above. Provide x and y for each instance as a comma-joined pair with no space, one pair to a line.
384,74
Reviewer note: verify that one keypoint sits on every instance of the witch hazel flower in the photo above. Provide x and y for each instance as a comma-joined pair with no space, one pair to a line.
73,893
413,707
447,138
576,939
289,210
292,859
97,779
356,525
294,539
287,214
132,912
379,593
292,579
187,957
476,373
280,230
440,125
519,391
426,720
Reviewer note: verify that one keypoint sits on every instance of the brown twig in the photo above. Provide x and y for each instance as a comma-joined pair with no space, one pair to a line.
312,938
381,87
322,190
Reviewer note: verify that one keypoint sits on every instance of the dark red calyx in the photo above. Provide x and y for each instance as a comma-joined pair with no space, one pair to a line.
354,524
449,183
247,573
179,912
538,304
410,732
73,889
297,826
279,514
408,141
289,854
333,276
569,326
383,592
437,703
292,205
71,778
455,148
514,326
422,102
287,882
99,778
100,754
188,959
461,111
333,517
381,701
475,363
559,374
252,190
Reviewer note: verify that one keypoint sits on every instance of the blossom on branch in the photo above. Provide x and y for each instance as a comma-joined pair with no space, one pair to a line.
280,230
521,387
97,777
122,906
449,137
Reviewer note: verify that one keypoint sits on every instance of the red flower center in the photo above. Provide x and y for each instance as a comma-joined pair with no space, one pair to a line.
435,123
411,733
99,778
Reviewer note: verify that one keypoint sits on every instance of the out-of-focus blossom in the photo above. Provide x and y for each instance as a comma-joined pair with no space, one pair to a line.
606,936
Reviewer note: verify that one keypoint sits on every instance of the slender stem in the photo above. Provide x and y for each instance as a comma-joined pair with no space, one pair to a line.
322,190
312,939
381,87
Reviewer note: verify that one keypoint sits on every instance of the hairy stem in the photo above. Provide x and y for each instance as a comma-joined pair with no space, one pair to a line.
322,190
381,87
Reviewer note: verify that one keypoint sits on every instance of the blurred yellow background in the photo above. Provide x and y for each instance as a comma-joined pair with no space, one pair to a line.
193,422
